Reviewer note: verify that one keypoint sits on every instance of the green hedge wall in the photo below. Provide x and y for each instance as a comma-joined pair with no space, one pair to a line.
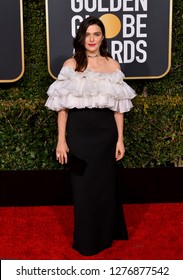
28,130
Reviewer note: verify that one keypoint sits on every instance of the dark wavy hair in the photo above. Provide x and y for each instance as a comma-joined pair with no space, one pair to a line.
78,43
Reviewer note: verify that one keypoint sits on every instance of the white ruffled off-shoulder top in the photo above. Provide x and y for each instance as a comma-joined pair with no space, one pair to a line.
90,89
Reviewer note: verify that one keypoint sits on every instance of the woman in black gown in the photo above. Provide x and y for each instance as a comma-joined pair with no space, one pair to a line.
91,98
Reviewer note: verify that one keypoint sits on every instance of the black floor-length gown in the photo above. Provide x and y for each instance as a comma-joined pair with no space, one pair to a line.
98,216
91,136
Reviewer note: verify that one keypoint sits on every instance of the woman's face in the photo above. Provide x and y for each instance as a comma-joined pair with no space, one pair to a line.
93,39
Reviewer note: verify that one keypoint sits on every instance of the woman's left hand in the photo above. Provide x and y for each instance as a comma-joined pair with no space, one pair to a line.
120,150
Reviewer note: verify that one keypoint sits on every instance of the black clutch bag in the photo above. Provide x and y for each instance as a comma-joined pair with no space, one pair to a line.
76,165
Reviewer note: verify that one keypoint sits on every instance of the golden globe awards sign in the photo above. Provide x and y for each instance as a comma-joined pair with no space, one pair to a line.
138,33
11,40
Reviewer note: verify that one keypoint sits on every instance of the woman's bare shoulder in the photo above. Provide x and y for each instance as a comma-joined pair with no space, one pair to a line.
114,64
71,62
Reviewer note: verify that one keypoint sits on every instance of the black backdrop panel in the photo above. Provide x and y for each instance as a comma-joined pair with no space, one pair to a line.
140,37
52,187
11,40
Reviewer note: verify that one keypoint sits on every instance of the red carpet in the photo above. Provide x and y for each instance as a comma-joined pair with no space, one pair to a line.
45,233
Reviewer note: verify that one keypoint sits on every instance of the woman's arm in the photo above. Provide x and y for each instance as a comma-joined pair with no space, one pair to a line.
62,148
120,149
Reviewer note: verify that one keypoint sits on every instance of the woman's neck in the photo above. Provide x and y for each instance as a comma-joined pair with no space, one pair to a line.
92,55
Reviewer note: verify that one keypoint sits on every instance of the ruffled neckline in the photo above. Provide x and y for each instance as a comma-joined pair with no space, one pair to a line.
114,75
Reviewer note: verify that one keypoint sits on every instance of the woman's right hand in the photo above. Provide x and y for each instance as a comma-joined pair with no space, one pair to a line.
61,152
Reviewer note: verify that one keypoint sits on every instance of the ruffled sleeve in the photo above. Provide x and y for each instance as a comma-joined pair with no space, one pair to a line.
90,89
